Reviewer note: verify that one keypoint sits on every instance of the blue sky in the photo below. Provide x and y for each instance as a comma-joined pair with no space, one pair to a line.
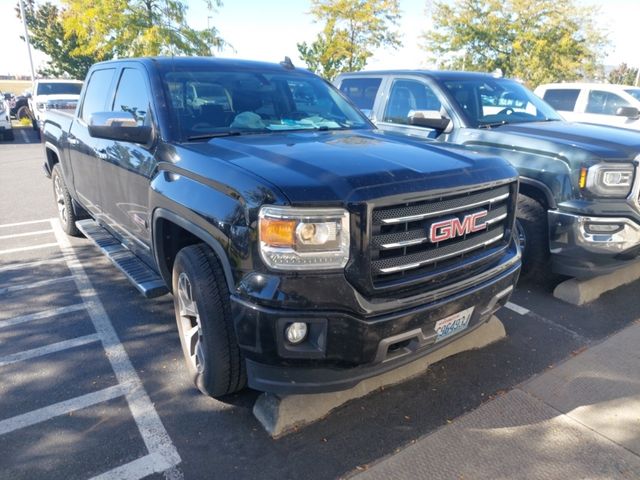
269,29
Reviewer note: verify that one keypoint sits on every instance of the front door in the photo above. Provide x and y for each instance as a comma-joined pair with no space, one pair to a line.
128,167
85,152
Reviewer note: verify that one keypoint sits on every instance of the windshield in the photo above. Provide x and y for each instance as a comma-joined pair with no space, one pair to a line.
493,102
58,88
218,102
634,92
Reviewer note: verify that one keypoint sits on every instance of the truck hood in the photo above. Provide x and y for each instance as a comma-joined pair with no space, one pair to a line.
340,167
606,143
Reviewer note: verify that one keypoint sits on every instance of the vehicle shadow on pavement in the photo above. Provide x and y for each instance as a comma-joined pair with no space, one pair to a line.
222,439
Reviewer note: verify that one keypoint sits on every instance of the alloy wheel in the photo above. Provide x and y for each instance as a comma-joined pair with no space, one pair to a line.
190,322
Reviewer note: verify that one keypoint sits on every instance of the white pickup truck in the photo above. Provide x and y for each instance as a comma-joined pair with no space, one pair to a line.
61,94
604,104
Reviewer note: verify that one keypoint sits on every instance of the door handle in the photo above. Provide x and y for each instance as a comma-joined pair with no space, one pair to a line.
72,140
100,153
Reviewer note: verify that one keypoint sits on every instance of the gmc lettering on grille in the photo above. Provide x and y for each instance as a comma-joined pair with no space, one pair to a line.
454,227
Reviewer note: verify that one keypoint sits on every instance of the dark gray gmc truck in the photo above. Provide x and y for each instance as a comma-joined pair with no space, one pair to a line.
305,249
579,205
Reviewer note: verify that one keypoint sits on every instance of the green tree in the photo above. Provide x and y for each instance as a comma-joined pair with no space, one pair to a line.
352,30
126,28
538,41
47,34
623,75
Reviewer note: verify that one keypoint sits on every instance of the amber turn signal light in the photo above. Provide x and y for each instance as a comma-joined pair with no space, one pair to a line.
277,233
582,182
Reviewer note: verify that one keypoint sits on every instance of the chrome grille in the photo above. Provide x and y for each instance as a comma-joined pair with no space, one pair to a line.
400,243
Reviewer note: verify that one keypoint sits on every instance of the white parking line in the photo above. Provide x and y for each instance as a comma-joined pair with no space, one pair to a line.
40,315
25,249
41,283
48,349
517,308
139,468
61,408
18,224
149,424
25,265
26,234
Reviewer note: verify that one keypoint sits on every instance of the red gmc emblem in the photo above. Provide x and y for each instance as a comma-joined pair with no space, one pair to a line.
454,227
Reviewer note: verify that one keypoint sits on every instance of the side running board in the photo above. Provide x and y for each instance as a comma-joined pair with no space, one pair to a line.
148,282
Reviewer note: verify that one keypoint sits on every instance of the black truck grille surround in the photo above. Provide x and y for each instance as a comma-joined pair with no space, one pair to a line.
401,247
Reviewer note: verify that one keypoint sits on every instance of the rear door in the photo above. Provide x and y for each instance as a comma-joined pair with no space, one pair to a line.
564,100
364,92
84,150
127,167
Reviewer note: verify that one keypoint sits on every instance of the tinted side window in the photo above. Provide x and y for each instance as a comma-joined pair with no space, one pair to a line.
361,91
407,96
604,103
132,95
97,92
562,99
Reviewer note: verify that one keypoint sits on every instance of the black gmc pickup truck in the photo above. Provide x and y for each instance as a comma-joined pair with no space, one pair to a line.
304,249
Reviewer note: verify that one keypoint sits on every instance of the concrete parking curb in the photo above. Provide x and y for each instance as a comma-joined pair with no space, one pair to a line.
280,415
580,292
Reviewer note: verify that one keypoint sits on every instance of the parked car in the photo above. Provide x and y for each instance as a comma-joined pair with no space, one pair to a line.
615,105
46,91
305,249
6,130
578,207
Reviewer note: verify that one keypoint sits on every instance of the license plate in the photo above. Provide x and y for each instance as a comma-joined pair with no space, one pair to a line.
453,324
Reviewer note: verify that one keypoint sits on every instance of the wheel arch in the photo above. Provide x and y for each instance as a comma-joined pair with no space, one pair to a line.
538,191
167,224
52,157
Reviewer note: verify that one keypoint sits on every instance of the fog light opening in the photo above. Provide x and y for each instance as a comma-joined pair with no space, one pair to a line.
296,332
603,227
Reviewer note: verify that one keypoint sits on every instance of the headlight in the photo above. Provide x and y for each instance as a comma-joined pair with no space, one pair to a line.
610,179
304,238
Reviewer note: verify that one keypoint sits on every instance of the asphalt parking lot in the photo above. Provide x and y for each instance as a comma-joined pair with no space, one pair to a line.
92,373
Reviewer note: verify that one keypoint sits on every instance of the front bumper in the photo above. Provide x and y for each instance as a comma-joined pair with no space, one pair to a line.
579,251
343,349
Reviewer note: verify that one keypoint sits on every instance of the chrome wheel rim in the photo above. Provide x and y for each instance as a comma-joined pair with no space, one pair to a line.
190,323
60,201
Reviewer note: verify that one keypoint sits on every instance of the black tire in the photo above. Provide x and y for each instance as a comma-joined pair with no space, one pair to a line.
532,229
213,359
61,195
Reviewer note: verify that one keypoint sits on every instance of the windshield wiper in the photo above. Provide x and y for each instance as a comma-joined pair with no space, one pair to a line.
493,124
230,133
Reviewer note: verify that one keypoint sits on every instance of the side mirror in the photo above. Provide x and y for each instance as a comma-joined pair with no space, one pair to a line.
121,126
629,112
429,119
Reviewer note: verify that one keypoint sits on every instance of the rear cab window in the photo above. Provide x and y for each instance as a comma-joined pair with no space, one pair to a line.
563,99
361,91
